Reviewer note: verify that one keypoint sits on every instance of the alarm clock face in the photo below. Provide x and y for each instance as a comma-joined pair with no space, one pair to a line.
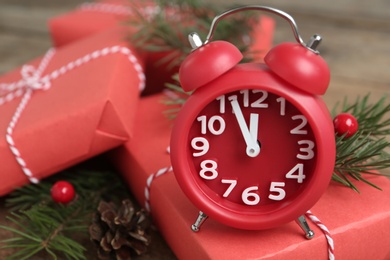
251,151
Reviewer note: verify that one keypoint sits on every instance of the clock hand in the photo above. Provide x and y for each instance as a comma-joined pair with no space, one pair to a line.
253,130
250,137
254,126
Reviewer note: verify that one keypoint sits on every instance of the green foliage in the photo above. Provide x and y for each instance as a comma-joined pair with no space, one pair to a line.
175,98
366,151
45,227
373,118
167,30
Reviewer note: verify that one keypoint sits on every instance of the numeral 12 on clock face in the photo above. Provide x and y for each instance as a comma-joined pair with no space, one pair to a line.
252,148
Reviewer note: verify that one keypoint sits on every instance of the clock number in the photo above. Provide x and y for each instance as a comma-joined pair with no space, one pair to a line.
203,148
298,130
245,94
249,197
203,124
277,187
211,125
232,184
282,105
296,173
259,102
309,153
221,100
208,166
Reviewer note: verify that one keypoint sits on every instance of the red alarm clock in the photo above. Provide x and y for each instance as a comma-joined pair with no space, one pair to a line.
253,147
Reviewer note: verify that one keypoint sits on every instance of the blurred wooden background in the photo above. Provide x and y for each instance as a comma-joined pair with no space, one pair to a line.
356,45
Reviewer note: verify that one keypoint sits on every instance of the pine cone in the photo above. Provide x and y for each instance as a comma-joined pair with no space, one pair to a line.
119,232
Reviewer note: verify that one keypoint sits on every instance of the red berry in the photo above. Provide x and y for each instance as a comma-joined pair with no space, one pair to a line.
62,192
345,123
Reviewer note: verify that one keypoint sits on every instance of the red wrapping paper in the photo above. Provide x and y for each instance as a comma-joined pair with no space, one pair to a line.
358,223
88,109
100,16
92,18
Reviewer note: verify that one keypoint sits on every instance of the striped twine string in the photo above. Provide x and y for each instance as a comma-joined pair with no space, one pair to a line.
326,232
150,179
106,8
309,214
149,182
32,80
149,11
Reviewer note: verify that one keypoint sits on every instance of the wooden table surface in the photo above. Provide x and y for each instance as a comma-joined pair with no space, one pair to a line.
356,45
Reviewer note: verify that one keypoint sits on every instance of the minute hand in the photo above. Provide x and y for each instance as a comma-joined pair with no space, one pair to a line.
252,147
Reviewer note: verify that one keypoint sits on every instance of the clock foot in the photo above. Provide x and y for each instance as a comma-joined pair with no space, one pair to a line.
301,221
199,221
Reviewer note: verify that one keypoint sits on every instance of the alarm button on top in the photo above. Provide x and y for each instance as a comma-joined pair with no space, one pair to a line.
207,63
299,66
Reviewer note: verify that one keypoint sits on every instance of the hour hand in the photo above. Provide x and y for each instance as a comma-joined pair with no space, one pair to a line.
250,136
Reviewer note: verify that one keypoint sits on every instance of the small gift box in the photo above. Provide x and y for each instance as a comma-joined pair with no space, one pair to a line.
67,106
91,18
354,226
94,17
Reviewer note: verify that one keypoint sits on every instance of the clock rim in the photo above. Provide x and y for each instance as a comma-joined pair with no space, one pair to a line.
257,76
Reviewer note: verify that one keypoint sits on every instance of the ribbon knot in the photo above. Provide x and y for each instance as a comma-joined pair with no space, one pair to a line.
32,78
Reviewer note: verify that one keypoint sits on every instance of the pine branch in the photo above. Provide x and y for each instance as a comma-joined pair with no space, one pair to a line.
357,156
41,225
167,29
84,182
22,199
364,153
371,117
175,98
43,228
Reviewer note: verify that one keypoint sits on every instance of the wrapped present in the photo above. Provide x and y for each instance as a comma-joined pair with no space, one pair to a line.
94,17
354,226
69,105
91,18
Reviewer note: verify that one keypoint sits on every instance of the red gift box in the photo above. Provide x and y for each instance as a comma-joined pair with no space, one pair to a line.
67,106
358,223
91,18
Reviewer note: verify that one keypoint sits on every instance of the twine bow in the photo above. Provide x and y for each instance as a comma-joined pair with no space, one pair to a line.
33,80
